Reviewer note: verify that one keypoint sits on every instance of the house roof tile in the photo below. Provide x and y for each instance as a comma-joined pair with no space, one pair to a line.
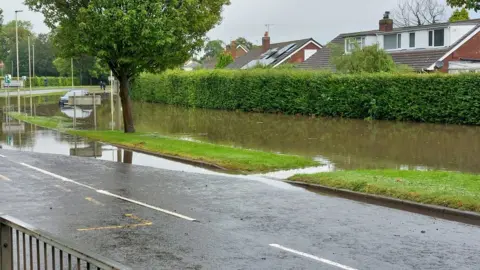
255,53
418,59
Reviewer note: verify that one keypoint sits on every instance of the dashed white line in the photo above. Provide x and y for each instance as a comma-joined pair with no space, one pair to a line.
108,193
3,156
332,263
146,205
57,176
3,177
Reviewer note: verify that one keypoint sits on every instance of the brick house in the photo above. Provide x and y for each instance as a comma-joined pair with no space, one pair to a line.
276,54
442,46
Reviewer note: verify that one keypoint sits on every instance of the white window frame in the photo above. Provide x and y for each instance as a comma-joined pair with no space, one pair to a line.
350,43
433,38
410,40
398,42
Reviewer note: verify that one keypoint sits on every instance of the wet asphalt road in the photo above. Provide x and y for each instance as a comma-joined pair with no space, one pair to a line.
241,222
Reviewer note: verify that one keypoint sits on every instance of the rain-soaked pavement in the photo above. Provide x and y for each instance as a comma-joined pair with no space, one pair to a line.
240,223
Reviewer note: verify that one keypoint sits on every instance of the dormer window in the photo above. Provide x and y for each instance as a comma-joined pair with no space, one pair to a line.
436,38
350,43
392,42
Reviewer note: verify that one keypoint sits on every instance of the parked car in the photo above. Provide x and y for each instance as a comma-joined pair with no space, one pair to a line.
71,93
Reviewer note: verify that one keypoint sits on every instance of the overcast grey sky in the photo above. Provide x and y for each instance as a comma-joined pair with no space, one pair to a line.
291,19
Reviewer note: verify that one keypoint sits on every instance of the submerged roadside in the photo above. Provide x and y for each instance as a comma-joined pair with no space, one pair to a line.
232,159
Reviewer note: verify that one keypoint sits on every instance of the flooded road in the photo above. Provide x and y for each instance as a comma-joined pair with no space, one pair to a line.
341,143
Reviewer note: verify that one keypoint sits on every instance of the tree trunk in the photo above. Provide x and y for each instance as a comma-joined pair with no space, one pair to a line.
127,157
126,105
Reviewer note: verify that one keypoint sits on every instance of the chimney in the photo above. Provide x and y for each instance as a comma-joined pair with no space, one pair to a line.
233,49
266,42
386,24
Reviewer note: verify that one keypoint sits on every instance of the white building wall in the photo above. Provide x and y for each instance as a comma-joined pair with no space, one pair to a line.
421,39
405,40
458,31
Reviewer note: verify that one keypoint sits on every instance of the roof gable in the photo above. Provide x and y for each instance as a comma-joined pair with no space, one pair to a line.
256,53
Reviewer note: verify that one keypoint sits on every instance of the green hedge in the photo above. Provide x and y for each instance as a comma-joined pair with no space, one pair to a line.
52,81
437,98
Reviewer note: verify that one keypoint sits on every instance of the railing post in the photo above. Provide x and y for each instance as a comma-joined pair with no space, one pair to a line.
6,248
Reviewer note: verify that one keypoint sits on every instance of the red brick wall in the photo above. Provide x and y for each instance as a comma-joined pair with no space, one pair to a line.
240,52
300,55
471,49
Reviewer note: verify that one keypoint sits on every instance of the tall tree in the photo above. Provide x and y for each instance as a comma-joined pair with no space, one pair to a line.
244,42
44,56
469,4
3,41
213,49
459,15
418,12
131,36
9,46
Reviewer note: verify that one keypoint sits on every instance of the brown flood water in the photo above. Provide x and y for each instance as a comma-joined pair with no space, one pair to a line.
346,143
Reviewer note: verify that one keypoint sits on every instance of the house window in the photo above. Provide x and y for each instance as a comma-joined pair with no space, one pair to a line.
412,40
392,42
436,38
351,43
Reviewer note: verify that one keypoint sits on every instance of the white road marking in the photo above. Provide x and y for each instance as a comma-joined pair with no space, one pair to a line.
63,188
2,177
3,156
313,257
146,205
108,193
92,200
57,176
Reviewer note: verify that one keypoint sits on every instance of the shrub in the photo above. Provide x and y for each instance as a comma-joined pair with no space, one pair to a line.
52,81
438,98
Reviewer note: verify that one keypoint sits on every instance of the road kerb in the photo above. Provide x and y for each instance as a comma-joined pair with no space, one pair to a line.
420,208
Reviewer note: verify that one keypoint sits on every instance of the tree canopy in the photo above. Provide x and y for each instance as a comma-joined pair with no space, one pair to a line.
459,15
244,42
213,49
224,60
369,59
469,4
131,36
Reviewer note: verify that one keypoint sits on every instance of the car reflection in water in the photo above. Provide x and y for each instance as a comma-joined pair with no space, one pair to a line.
77,112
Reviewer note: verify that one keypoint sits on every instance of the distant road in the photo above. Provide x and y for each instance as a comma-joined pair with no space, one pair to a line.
35,92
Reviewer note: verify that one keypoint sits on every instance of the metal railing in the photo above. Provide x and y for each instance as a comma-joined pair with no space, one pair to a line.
23,247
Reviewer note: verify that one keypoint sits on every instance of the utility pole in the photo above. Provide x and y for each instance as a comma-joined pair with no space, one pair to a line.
18,64
30,75
111,96
72,70
33,48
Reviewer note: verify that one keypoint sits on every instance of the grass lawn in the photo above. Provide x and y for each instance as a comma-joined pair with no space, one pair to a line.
449,189
87,87
231,158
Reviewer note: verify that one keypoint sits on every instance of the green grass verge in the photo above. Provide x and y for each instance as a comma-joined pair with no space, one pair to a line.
449,189
231,158
87,87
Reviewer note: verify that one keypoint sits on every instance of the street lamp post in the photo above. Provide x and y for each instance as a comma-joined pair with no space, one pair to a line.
30,75
18,64
33,61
